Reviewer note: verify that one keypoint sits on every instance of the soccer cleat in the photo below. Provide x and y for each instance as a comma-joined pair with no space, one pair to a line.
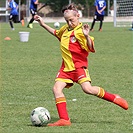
30,26
61,122
131,29
22,22
100,30
92,30
120,102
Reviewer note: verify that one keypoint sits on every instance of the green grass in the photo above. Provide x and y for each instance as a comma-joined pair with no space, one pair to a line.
27,77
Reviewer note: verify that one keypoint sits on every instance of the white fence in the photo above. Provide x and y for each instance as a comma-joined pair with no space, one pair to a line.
4,11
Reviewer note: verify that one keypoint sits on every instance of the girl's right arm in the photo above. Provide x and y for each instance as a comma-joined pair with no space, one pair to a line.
45,26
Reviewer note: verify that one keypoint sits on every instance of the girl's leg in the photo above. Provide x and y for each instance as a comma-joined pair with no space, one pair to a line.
60,105
101,93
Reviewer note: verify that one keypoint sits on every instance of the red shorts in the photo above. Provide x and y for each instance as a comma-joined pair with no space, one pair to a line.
79,75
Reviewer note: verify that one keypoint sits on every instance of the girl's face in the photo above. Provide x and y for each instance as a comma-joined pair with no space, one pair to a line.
72,18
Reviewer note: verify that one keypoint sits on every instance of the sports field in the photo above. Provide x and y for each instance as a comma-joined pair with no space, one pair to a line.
28,69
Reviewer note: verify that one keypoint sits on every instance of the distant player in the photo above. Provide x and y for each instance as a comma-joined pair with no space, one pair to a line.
132,26
33,11
13,17
99,13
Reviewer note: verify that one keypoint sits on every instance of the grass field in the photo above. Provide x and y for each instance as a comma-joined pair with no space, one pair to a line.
27,75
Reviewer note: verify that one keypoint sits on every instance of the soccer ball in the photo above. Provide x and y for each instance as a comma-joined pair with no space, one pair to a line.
56,24
40,116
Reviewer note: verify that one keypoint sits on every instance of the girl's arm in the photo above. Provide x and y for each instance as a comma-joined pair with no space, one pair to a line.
86,30
45,26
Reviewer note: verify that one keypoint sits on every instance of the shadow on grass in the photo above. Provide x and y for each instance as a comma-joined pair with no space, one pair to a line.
75,121
94,121
53,119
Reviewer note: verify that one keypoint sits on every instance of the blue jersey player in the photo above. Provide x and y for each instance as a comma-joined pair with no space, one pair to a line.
13,17
99,13
33,11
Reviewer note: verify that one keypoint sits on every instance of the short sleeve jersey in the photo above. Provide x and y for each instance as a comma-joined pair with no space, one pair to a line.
100,4
32,5
74,47
13,5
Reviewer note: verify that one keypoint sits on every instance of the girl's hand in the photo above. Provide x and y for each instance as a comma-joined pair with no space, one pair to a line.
39,19
86,29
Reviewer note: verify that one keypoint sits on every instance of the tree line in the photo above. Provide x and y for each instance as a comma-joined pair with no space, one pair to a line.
56,5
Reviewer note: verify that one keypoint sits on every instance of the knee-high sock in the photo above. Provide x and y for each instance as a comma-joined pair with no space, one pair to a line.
61,107
105,95
11,24
93,23
101,23
31,21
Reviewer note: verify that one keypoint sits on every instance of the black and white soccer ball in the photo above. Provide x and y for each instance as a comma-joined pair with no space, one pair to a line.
56,24
40,116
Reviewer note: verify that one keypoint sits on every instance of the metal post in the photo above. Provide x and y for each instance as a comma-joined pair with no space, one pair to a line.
19,9
6,11
108,7
70,1
115,10
27,8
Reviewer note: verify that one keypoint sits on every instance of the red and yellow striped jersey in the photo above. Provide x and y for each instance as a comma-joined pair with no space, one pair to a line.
74,47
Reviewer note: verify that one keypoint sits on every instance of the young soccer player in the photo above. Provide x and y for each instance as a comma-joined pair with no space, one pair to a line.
132,26
99,13
33,11
75,45
13,17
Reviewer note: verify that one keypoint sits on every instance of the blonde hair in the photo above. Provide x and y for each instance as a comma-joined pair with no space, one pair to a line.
70,7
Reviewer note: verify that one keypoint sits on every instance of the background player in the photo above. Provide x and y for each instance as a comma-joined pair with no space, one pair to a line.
132,26
75,46
13,17
100,6
33,11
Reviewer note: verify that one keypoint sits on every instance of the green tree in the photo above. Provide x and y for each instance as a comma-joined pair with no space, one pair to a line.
58,4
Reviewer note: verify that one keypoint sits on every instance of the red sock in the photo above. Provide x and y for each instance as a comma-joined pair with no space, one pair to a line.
105,95
61,107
